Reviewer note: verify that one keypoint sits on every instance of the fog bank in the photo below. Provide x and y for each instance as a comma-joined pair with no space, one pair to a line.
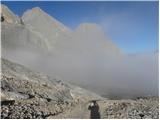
124,76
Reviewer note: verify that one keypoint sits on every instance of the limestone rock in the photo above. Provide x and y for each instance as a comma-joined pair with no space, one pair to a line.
8,15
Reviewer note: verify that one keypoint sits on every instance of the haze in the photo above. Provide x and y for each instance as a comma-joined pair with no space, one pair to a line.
85,56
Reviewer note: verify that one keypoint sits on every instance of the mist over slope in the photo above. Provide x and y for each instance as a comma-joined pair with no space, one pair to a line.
84,56
28,94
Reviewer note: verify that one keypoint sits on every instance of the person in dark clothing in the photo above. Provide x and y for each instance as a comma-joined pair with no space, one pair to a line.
94,108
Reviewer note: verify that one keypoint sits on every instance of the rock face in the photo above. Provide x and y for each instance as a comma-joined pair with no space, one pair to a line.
16,35
30,92
93,39
36,29
49,28
9,16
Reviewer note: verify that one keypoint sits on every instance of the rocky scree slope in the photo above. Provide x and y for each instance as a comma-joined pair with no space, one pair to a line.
27,94
139,108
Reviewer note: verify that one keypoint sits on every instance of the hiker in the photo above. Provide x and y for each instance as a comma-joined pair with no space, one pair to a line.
94,110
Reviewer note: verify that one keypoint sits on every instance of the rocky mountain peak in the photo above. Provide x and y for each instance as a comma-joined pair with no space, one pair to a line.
38,9
8,15
37,17
45,26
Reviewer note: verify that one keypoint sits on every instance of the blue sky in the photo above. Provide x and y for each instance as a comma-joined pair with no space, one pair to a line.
133,26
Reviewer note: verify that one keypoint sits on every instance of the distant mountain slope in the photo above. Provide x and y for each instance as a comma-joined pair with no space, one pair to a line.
93,39
38,30
16,36
52,30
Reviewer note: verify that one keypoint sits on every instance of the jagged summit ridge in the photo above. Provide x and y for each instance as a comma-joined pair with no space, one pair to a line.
30,14
44,32
50,30
40,20
8,15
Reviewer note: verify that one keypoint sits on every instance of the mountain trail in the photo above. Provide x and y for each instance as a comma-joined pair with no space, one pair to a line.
80,111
